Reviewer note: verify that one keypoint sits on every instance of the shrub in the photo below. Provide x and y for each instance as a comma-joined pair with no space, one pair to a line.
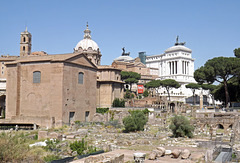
118,103
146,111
128,95
51,144
82,148
113,123
102,110
145,93
181,127
13,147
79,146
135,122
51,157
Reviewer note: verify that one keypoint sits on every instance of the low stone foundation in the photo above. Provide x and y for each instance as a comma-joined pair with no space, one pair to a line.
103,158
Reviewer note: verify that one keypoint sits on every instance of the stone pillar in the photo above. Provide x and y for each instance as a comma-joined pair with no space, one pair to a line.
201,101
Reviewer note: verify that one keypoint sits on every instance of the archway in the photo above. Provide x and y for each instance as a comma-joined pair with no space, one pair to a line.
220,126
2,106
172,107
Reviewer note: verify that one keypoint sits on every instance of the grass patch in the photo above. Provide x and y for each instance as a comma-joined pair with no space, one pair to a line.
14,147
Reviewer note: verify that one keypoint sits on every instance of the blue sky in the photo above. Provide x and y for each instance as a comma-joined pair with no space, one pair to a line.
210,28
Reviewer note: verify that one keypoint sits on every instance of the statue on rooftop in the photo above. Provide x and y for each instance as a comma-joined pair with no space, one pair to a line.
123,53
179,43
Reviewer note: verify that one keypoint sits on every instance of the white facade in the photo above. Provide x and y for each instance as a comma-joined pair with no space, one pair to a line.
175,63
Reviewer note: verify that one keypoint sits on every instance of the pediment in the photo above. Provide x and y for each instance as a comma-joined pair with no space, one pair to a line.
140,64
81,59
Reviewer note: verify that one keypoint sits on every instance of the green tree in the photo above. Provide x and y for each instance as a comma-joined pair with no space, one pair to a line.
237,52
118,102
135,121
210,88
128,95
219,69
169,84
154,84
233,88
145,93
130,77
193,87
181,127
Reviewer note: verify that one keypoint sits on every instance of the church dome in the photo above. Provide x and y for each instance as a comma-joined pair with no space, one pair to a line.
124,58
87,43
178,48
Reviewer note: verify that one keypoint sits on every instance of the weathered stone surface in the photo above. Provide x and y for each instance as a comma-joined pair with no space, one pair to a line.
142,141
106,147
152,155
159,153
185,154
104,158
82,131
208,156
42,135
70,136
161,150
54,135
97,117
168,152
176,153
74,153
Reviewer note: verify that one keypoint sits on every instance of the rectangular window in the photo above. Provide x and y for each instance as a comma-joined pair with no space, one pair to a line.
36,77
87,116
80,78
71,117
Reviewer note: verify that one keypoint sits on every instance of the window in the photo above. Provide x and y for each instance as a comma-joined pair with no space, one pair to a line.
71,117
23,48
24,39
36,77
87,116
80,78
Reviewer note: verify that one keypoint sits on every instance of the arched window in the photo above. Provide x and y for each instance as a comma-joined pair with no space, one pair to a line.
36,77
80,78
23,48
24,39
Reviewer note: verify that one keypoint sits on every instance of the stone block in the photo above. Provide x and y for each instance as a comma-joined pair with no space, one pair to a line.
42,135
70,137
185,154
176,153
152,155
54,135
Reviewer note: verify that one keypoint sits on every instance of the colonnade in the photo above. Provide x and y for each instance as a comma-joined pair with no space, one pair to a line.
185,67
174,68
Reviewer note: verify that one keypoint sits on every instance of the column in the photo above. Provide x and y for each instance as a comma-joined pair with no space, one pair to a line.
182,67
176,67
185,70
170,68
173,67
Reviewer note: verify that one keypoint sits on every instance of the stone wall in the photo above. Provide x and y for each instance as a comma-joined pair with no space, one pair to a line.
104,158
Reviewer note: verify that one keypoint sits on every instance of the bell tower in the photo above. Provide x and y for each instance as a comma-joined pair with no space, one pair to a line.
25,43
